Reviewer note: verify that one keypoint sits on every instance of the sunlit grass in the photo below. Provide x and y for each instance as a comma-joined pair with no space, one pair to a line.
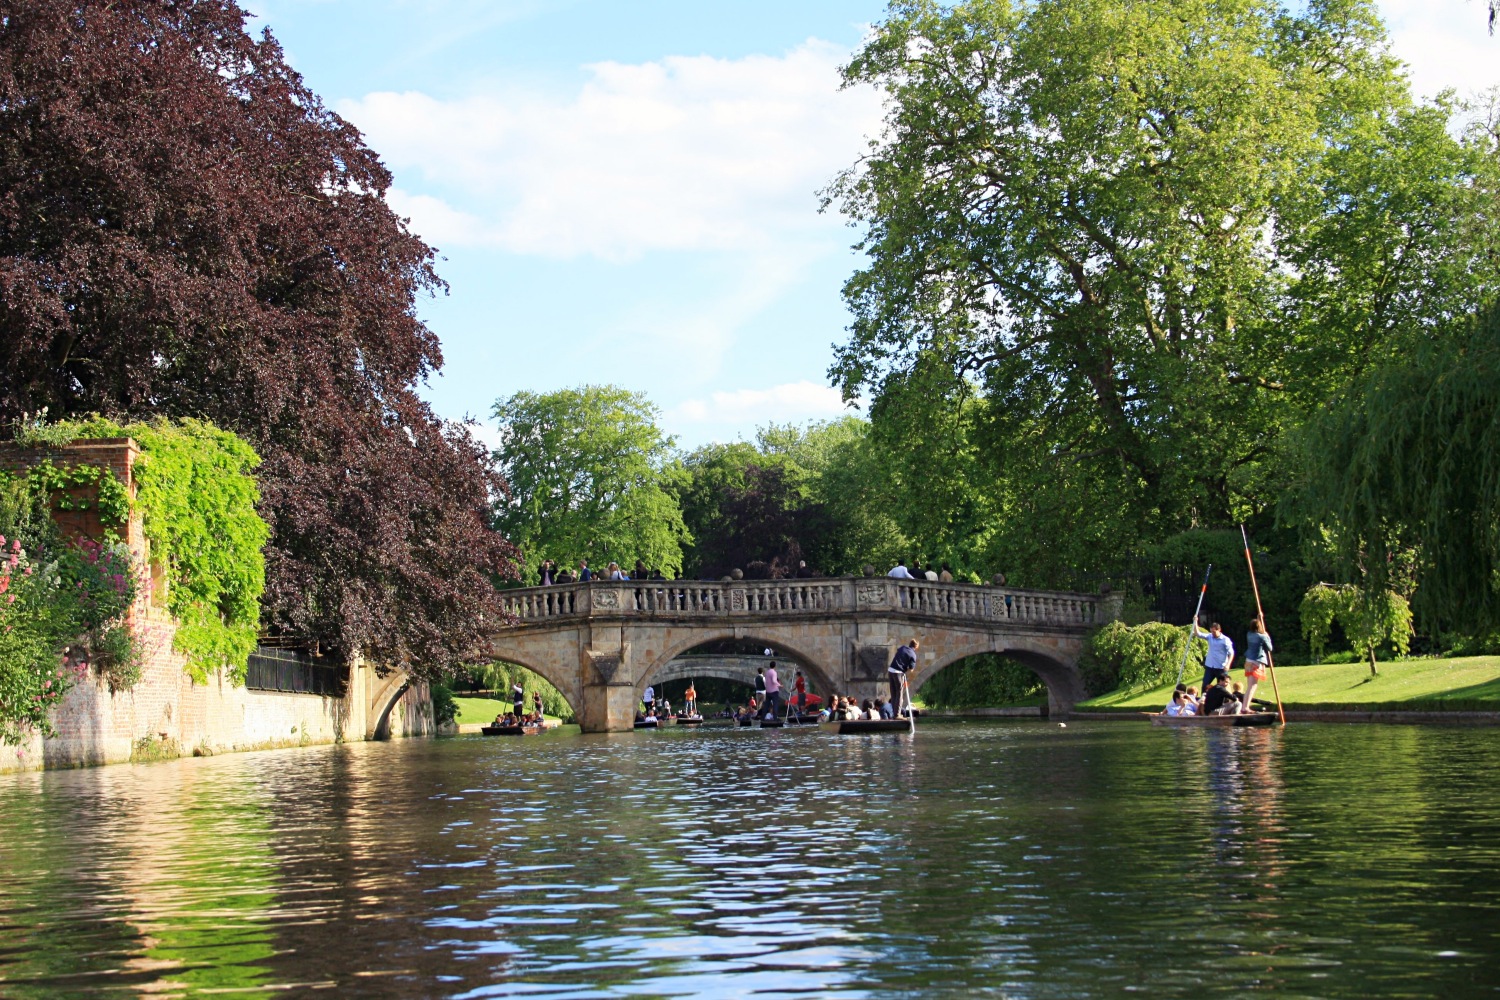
1470,683
481,711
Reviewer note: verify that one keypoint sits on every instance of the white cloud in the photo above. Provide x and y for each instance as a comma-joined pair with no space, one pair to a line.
1444,44
684,153
791,402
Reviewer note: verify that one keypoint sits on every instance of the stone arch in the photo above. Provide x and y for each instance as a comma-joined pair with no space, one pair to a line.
819,674
1059,675
565,680
388,690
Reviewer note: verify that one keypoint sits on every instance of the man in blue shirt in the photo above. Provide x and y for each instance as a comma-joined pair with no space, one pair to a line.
1220,653
903,663
584,573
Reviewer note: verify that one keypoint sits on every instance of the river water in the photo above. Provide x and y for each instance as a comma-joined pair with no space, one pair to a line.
975,859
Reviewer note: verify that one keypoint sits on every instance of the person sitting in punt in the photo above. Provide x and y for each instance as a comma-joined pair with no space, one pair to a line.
1181,688
868,708
1237,702
1174,707
887,710
1217,697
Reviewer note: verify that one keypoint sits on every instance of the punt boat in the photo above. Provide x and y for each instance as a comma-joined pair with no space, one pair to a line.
531,730
1212,721
688,720
848,727
648,723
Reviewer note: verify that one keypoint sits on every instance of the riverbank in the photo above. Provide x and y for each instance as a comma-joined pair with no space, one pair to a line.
1418,689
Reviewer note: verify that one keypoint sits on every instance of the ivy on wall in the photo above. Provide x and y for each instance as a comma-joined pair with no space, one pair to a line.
197,496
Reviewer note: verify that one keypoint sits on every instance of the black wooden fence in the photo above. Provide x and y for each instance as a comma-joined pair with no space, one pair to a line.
294,670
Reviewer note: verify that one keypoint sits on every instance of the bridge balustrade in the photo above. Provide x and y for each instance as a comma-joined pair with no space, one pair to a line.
690,599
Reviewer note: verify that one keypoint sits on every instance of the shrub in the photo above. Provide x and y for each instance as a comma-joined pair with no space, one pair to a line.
444,707
1136,657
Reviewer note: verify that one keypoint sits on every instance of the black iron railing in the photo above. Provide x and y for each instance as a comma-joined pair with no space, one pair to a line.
294,670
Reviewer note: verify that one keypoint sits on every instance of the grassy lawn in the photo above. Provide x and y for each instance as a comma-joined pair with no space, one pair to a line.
1469,683
480,711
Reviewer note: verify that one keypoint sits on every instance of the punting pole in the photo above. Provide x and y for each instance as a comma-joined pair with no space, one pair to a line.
911,717
1270,663
1187,646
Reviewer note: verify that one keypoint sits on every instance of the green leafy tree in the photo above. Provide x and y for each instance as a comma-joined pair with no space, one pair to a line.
591,476
1149,237
1369,618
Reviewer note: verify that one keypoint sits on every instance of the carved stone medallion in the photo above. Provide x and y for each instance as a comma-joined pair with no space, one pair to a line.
736,600
607,599
607,665
872,593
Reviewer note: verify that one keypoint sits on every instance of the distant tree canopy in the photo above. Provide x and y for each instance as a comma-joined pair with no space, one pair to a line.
591,477
1116,250
186,231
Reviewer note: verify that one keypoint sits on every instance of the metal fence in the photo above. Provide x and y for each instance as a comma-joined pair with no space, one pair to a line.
294,670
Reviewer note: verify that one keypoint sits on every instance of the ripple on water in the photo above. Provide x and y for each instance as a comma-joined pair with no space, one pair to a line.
995,859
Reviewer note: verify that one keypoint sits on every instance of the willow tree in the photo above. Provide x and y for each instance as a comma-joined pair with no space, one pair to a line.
1408,462
1149,235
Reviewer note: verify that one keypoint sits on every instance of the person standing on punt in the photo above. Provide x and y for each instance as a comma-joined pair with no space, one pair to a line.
690,700
799,692
1257,654
773,690
650,699
760,686
518,698
902,664
1220,652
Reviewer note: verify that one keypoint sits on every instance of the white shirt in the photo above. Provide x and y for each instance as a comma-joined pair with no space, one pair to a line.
901,573
650,694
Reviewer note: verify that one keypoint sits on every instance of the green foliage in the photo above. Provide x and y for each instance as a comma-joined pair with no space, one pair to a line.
591,477
58,608
983,681
499,677
198,497
26,514
102,491
1369,619
1117,249
444,708
1136,657
1407,462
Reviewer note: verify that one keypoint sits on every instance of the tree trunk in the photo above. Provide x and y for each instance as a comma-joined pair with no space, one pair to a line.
1373,671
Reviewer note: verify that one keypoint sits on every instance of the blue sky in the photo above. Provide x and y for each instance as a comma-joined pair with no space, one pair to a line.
627,192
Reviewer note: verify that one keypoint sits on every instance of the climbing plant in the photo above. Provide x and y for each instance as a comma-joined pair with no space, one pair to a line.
1368,619
197,496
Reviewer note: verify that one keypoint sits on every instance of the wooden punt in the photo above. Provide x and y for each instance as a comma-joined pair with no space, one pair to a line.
648,724
746,723
511,730
1213,721
688,720
848,727
771,723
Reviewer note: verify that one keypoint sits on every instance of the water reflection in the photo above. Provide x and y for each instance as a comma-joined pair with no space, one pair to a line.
1010,859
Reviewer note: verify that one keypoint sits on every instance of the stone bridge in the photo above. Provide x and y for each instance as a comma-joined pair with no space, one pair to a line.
601,643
